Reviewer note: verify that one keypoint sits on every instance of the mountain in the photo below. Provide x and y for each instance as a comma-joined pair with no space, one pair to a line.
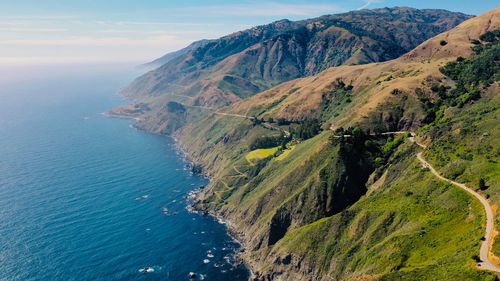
226,70
172,55
322,207
318,176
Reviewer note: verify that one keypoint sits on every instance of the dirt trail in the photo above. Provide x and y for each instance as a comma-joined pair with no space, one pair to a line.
484,252
241,174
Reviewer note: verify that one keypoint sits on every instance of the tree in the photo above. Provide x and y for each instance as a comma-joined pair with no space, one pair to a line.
482,184
308,129
282,121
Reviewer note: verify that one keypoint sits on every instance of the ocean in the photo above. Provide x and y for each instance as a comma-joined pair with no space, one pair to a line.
87,197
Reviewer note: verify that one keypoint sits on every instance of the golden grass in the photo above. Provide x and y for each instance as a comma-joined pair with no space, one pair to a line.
285,153
260,153
304,95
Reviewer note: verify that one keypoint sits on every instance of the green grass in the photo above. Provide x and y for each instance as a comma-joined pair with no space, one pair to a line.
466,148
259,154
414,228
285,153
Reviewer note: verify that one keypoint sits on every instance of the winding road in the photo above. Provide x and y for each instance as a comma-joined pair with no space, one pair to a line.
484,251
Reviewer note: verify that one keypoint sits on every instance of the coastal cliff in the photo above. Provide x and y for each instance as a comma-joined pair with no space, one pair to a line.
302,170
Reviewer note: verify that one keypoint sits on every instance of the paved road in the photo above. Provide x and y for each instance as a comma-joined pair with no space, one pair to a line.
485,263
216,111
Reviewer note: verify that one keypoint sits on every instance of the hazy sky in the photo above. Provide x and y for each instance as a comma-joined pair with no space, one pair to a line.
57,31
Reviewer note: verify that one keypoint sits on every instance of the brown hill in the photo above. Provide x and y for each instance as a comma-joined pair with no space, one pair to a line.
242,64
376,86
316,213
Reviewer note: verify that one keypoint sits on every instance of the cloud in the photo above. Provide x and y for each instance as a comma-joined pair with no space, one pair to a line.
153,23
269,9
368,3
39,18
83,41
32,29
53,38
51,60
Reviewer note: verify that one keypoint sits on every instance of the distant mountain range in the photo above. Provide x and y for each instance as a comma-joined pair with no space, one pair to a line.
220,72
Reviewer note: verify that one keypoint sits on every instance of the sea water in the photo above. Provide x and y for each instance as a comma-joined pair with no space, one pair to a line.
87,197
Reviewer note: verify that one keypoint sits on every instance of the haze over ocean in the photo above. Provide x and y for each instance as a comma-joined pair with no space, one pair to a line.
82,195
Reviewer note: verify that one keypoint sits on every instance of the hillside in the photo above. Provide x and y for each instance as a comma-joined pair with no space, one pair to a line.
308,181
226,70
375,86
172,55
361,209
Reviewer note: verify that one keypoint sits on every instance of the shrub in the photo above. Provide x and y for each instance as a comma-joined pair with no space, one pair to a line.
308,129
282,121
490,36
268,141
475,42
173,106
476,258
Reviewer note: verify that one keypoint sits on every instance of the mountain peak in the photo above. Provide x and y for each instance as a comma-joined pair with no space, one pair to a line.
244,63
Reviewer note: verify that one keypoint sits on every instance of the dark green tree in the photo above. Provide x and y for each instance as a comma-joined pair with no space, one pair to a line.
482,184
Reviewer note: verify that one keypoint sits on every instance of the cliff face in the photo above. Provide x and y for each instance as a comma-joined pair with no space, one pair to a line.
220,72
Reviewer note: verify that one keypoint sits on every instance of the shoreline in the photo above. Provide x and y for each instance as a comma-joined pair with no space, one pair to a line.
110,114
230,230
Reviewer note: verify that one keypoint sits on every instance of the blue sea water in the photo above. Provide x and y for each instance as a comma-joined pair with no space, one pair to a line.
82,195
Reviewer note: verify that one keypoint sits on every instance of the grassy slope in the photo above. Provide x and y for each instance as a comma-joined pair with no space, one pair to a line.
414,228
259,154
374,100
466,147
244,63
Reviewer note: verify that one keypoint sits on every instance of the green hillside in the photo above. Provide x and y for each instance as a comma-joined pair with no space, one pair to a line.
318,176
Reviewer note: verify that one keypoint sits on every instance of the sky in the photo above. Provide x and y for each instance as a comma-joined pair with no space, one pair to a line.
138,31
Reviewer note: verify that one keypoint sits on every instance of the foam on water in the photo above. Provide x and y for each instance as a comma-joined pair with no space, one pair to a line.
69,180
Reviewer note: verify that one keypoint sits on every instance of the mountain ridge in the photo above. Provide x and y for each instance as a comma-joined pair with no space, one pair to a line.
276,192
246,62
307,181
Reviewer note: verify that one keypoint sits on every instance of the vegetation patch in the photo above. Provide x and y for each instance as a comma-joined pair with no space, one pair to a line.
471,77
334,101
285,153
268,141
261,153
465,134
416,228
306,129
